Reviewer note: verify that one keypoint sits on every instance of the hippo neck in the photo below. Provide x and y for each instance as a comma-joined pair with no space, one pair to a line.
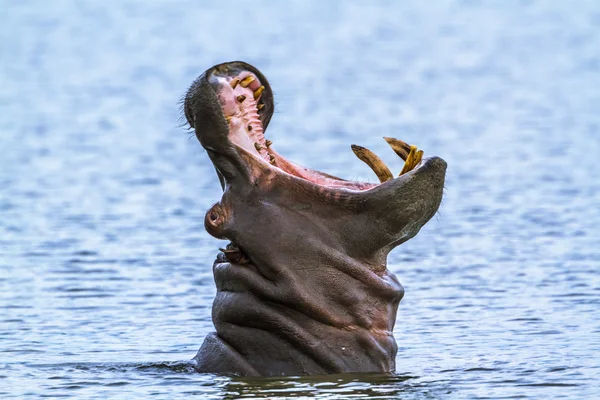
332,316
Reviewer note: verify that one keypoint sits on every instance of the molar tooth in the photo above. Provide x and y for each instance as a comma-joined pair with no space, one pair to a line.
260,106
377,165
246,81
272,159
241,98
258,92
257,146
234,82
400,148
268,143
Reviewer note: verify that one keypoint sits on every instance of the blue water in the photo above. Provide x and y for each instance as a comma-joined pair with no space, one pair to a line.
106,284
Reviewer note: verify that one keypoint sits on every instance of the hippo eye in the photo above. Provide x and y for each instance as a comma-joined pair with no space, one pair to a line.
215,220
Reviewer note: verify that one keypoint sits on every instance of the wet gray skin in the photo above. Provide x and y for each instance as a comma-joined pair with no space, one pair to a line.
302,287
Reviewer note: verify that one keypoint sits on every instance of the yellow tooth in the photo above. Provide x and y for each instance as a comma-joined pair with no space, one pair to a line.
272,159
419,157
377,165
227,118
410,160
257,146
400,148
260,106
258,92
246,81
241,98
268,143
234,82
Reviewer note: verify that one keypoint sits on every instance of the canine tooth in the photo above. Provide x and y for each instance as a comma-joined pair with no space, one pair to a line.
260,106
257,146
246,81
377,165
241,98
234,82
400,148
268,143
419,157
410,160
258,92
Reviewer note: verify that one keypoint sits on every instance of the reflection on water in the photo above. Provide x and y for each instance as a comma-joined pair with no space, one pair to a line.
182,375
106,285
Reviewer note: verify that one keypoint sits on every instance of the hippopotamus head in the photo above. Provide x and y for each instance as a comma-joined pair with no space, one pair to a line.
302,287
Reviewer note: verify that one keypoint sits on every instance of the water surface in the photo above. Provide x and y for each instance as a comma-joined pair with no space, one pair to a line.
105,268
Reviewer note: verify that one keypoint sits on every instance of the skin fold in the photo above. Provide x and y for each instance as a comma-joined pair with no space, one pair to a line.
302,286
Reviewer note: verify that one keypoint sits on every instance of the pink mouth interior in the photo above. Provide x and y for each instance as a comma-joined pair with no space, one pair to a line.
246,131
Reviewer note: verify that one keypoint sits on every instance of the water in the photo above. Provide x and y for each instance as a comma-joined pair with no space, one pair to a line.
106,285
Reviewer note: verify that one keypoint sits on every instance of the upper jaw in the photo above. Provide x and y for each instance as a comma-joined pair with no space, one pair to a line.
223,77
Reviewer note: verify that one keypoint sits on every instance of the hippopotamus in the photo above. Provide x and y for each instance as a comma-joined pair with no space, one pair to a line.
302,286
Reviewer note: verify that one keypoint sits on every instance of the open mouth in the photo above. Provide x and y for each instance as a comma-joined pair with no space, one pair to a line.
246,101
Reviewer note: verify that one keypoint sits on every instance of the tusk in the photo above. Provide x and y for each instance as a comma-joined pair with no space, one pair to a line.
419,157
411,160
400,148
377,165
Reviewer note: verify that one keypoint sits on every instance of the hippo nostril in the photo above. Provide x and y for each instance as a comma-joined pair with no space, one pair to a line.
213,216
